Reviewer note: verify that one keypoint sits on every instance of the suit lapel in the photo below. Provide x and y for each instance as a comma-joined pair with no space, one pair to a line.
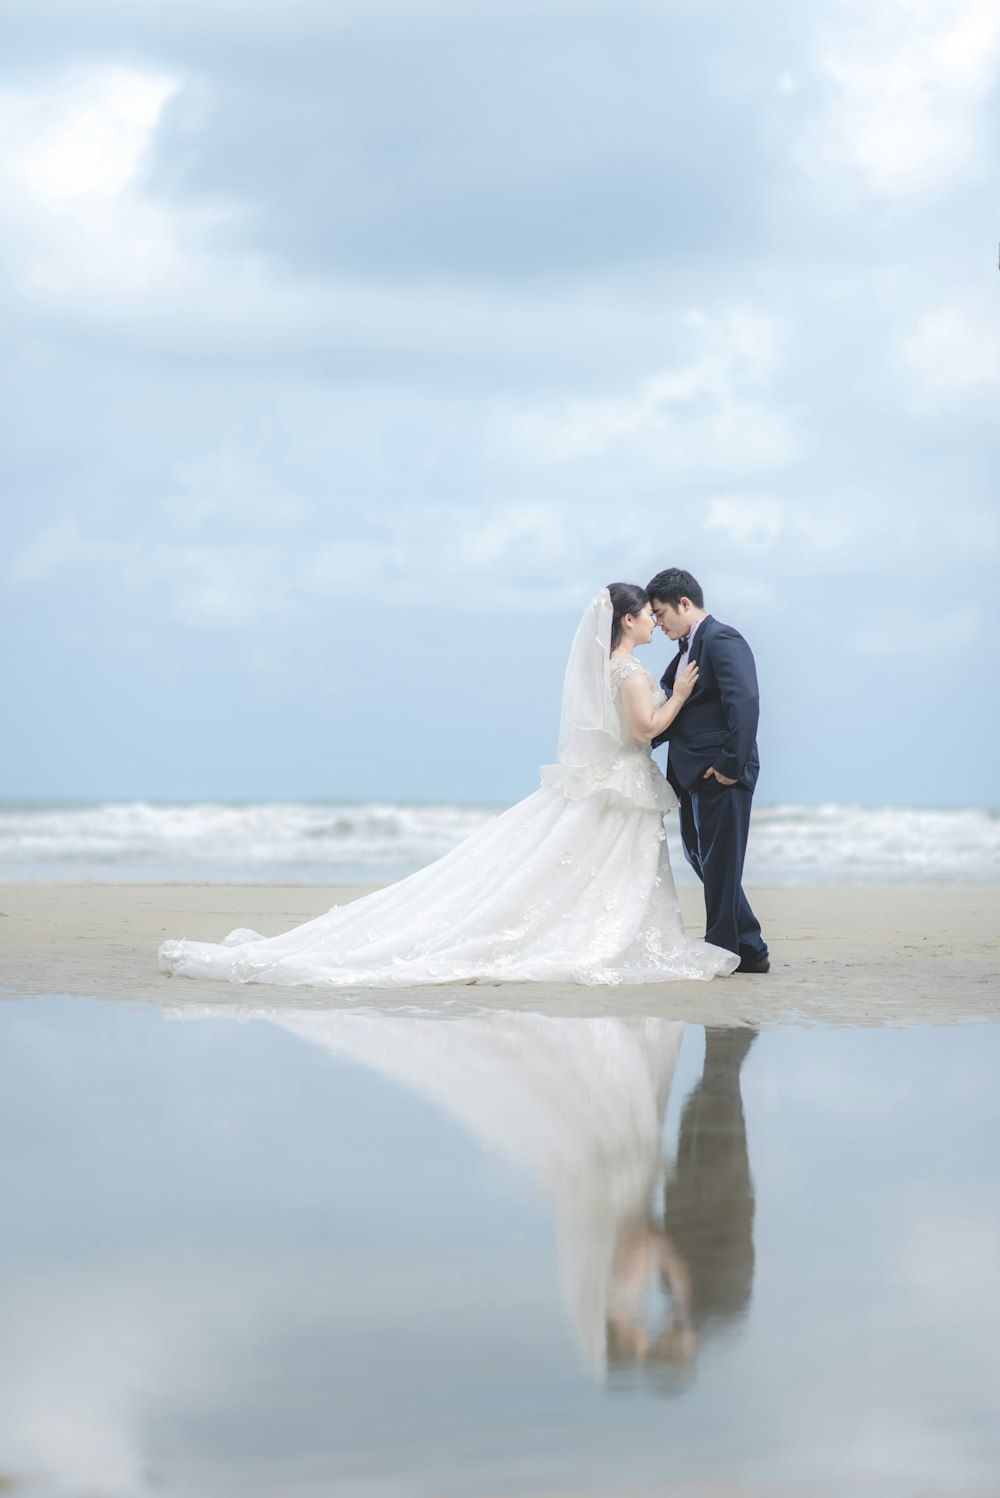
670,674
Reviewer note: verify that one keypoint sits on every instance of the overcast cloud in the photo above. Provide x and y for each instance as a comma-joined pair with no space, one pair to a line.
351,347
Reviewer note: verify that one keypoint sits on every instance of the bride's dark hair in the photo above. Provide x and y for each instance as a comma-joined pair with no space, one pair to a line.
626,598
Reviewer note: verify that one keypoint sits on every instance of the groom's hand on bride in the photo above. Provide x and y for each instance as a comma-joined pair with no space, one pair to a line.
722,779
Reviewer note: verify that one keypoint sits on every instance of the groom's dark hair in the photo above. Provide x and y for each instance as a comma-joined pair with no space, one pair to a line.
673,584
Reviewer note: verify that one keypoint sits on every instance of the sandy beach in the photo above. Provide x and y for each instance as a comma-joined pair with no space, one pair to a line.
849,956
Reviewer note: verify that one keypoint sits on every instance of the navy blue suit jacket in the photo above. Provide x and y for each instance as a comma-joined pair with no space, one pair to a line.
717,726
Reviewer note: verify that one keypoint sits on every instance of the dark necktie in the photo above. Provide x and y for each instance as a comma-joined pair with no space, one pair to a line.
682,645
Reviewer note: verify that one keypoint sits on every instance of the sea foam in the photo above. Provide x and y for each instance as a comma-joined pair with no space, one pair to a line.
326,843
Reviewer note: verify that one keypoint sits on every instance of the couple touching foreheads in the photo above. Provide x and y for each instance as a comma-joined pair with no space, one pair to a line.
572,884
712,760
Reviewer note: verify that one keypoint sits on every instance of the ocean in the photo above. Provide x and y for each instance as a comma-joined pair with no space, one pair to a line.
300,842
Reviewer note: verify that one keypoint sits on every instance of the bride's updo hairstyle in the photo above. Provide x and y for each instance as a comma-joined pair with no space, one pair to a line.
626,598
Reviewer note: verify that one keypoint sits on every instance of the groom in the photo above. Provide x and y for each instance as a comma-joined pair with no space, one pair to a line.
712,761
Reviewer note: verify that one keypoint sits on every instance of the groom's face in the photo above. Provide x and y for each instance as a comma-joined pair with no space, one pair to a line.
672,619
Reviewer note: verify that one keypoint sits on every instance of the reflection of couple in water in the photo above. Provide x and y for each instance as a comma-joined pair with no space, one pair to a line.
697,1242
580,1103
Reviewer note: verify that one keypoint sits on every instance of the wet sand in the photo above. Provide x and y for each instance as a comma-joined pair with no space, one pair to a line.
849,956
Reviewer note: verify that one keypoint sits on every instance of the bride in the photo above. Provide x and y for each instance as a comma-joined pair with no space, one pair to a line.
572,884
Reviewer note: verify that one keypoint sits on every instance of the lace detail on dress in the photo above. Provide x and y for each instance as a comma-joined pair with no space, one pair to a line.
621,670
622,667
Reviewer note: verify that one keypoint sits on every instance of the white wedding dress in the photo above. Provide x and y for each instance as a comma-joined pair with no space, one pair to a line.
572,884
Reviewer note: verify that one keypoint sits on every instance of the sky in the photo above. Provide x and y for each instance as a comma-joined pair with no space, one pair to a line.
351,347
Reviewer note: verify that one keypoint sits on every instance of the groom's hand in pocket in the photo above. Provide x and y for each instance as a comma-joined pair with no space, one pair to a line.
722,779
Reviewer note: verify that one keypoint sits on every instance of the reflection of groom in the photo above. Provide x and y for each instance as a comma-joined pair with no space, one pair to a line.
704,1248
709,1201
712,761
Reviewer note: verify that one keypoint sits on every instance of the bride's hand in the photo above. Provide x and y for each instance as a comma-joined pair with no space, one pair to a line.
686,682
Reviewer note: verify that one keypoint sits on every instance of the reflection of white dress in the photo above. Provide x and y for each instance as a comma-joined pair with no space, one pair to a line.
571,884
577,1103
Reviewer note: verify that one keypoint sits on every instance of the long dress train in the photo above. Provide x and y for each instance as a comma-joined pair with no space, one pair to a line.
571,884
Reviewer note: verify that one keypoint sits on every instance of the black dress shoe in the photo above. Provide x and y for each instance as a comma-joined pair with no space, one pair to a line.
754,965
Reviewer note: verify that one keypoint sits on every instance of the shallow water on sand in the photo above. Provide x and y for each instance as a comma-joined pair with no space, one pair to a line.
373,1255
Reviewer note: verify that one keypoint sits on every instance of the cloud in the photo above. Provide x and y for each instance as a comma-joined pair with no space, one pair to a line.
458,150
234,490
206,581
489,302
909,77
101,245
83,139
227,586
753,522
77,224
707,415
59,546
952,356
760,522
903,631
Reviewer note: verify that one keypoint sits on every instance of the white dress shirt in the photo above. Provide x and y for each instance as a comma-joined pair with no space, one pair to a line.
691,634
686,658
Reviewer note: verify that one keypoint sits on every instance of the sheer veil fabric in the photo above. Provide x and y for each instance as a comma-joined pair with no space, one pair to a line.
590,733
573,884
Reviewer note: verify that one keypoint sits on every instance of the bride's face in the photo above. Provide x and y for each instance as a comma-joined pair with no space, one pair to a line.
643,625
